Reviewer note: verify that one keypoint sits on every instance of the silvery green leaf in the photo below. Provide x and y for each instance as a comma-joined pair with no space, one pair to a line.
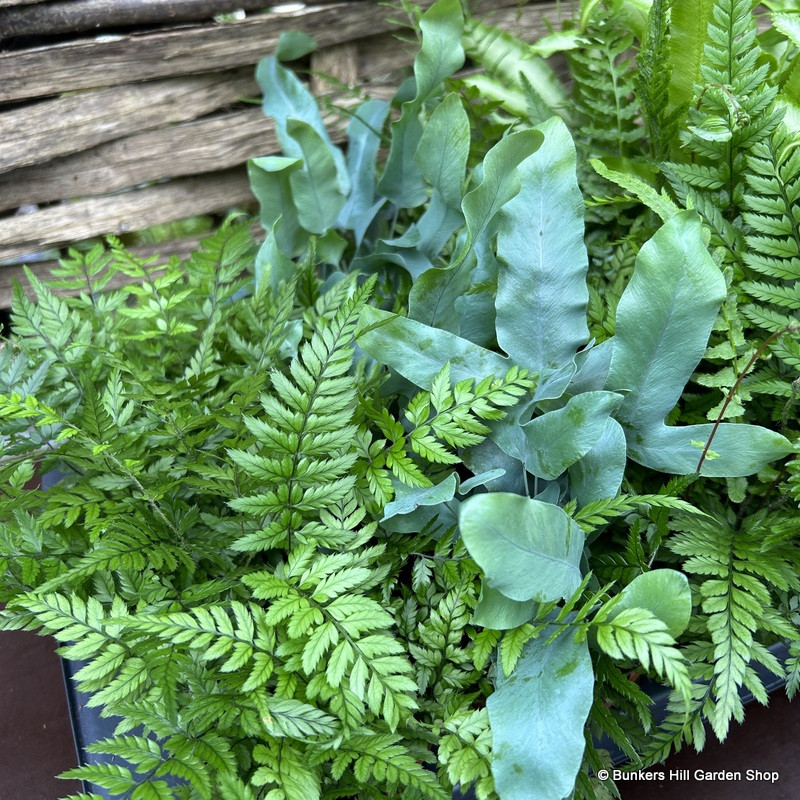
736,450
285,97
500,613
271,262
439,57
408,499
593,363
664,593
480,480
553,441
500,184
537,716
269,182
418,352
664,319
541,293
528,550
598,474
663,322
317,187
363,134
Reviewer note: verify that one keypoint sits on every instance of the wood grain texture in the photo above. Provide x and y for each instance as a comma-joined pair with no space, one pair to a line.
87,64
123,213
188,148
84,15
37,133
332,67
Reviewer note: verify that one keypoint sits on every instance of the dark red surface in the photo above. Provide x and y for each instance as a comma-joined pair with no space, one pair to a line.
768,741
35,734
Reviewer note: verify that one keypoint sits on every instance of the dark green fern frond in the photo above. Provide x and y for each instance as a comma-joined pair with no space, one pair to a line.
773,255
651,81
603,91
731,113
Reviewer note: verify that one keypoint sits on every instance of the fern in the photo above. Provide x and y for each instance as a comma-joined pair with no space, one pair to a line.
637,634
651,81
773,254
603,91
737,572
732,110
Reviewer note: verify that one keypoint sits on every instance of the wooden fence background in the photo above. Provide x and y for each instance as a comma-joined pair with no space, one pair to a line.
119,115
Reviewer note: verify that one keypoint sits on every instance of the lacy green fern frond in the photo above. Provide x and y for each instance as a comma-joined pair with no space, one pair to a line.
736,576
603,90
651,81
732,110
636,634
440,422
773,254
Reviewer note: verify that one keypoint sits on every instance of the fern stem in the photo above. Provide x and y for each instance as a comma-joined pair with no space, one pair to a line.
732,393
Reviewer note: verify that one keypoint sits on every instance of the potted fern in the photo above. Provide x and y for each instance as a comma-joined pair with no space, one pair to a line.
366,510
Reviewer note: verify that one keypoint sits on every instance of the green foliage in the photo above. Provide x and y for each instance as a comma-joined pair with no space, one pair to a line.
212,548
603,92
773,253
321,535
738,573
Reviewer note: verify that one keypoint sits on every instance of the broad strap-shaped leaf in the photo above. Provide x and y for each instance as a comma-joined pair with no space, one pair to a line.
408,500
321,184
541,291
285,97
592,365
316,188
554,441
664,319
363,136
537,716
443,151
270,183
528,550
442,158
501,183
272,263
664,593
418,352
737,450
439,57
598,474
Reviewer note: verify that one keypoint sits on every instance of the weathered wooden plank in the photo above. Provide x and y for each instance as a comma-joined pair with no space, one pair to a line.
188,148
123,213
86,64
185,149
332,67
84,15
36,133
